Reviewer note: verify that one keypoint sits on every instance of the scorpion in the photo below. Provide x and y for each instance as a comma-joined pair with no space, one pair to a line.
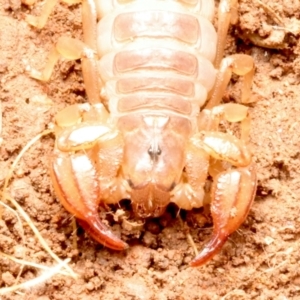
154,75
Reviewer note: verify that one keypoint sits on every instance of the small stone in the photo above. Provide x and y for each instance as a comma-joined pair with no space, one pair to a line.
19,251
150,240
8,278
90,286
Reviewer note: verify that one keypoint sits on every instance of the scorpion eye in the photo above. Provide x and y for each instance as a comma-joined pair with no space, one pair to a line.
130,183
154,152
172,186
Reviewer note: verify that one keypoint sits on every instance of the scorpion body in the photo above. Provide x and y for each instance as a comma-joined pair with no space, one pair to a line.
156,75
149,68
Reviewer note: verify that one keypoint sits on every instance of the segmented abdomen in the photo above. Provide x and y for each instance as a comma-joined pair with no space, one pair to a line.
156,55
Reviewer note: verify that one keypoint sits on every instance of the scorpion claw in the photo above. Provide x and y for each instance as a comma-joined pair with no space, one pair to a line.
233,192
96,229
74,178
213,247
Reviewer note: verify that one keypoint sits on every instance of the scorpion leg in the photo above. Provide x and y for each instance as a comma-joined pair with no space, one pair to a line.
189,192
232,192
47,9
240,64
75,169
227,14
73,49
232,195
209,119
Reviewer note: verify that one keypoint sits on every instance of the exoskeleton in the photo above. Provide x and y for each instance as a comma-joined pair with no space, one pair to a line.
154,77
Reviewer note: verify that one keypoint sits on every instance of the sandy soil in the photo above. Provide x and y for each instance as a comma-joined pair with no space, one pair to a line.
260,261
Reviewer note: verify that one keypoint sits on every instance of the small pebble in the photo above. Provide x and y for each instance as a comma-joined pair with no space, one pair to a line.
8,278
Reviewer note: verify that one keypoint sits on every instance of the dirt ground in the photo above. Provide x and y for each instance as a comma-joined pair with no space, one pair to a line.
260,260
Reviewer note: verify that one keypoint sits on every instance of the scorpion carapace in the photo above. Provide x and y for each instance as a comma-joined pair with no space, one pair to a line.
149,68
156,168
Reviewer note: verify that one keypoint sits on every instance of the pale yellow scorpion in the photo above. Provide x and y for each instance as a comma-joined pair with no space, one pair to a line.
149,68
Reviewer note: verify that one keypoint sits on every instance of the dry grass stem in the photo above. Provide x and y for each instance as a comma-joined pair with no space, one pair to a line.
20,155
31,264
22,232
48,271
17,216
189,237
271,13
1,140
36,281
38,235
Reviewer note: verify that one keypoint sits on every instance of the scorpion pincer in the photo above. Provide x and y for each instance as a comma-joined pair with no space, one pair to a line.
154,77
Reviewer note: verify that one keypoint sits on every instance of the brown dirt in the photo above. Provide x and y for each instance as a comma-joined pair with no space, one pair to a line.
260,261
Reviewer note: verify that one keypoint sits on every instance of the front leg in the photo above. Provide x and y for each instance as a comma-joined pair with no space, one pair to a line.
233,189
73,49
85,164
75,183
232,195
239,64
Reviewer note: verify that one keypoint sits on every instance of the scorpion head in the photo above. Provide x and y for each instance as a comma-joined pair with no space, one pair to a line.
154,158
